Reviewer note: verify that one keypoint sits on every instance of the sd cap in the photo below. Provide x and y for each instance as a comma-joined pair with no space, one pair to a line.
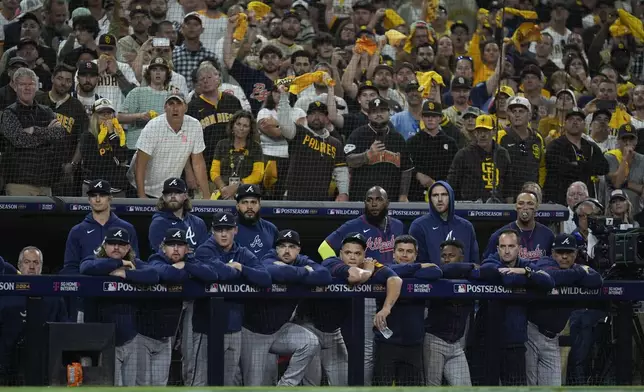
625,131
317,106
107,40
432,109
485,121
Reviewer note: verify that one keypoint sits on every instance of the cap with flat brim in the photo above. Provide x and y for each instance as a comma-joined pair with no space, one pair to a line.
116,241
17,62
193,15
178,97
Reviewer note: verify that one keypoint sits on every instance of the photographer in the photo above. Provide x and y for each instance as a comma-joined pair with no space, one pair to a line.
621,208
582,211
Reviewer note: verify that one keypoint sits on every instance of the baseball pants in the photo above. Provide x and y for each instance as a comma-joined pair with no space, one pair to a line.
291,339
370,310
333,359
445,359
198,351
402,365
542,358
126,364
154,358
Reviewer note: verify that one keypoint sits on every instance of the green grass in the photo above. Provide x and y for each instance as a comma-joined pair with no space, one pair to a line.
337,389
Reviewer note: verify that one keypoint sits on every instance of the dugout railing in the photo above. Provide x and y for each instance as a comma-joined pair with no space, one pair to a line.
621,294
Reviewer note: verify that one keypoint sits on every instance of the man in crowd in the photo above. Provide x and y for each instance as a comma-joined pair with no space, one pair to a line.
626,166
576,192
187,56
85,88
116,79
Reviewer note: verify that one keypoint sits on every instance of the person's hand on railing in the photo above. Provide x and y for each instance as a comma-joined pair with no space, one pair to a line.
118,272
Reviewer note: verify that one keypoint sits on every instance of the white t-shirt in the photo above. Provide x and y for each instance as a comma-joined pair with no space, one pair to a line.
169,151
213,30
558,42
108,86
276,147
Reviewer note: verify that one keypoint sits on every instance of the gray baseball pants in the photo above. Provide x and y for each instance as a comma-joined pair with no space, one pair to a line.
542,358
370,310
333,359
448,359
198,351
291,339
154,358
126,363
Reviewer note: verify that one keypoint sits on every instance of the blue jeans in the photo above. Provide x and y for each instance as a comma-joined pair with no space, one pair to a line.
582,324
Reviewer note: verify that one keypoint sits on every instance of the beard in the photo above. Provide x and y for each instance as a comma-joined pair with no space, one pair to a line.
173,206
376,220
158,14
87,88
244,220
379,125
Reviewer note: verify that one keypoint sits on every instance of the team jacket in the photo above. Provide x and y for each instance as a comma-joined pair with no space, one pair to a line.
534,244
328,315
258,238
6,268
553,319
447,318
431,230
88,235
121,312
514,323
407,316
253,272
273,313
380,243
195,227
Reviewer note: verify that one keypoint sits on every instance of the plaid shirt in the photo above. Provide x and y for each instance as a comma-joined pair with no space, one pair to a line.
186,61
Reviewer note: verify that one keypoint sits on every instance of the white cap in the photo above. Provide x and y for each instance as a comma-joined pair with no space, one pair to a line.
302,3
519,101
103,103
30,6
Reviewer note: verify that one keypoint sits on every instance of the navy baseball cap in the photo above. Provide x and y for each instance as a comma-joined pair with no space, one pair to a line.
88,68
290,236
378,103
317,106
576,112
99,187
174,185
565,242
117,235
248,190
355,238
175,236
224,220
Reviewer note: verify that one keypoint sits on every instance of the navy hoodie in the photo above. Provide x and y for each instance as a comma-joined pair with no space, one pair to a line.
543,313
431,230
84,238
6,268
328,315
273,313
534,244
447,318
380,243
514,326
196,229
253,272
407,316
123,311
259,238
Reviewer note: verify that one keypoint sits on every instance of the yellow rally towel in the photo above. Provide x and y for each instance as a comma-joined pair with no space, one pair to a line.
395,37
526,32
364,44
529,15
619,118
259,8
300,83
483,13
241,28
426,79
633,24
432,11
617,29
153,114
392,19
618,155
102,134
623,89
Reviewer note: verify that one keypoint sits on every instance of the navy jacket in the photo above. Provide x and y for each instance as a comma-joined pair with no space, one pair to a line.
258,238
447,318
196,229
6,268
552,318
121,312
534,244
212,256
271,314
514,325
431,230
407,316
328,315
84,238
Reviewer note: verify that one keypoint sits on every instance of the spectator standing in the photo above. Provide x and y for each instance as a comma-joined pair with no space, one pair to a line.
128,46
85,88
81,40
291,26
600,133
191,53
116,79
407,122
352,120
626,167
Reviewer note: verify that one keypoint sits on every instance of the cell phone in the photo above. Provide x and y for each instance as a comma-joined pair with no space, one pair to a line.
160,42
386,332
606,104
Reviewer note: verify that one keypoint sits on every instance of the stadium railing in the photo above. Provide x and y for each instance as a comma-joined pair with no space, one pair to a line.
620,293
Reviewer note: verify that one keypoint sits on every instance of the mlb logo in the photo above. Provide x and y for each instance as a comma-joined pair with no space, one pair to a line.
213,288
554,291
472,213
109,286
74,207
56,286
130,208
460,288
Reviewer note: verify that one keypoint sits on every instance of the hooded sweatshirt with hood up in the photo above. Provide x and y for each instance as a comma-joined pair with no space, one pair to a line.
431,230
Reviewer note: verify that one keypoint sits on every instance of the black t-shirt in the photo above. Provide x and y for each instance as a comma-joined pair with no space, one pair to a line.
385,169
432,156
256,84
353,121
240,161
71,115
312,159
214,119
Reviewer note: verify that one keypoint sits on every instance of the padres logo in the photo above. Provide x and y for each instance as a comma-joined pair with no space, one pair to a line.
536,152
107,39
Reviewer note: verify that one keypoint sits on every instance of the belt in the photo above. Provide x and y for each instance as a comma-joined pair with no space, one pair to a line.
546,333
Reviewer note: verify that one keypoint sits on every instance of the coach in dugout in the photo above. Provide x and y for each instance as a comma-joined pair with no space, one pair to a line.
536,238
546,320
174,207
230,262
269,330
115,257
442,224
